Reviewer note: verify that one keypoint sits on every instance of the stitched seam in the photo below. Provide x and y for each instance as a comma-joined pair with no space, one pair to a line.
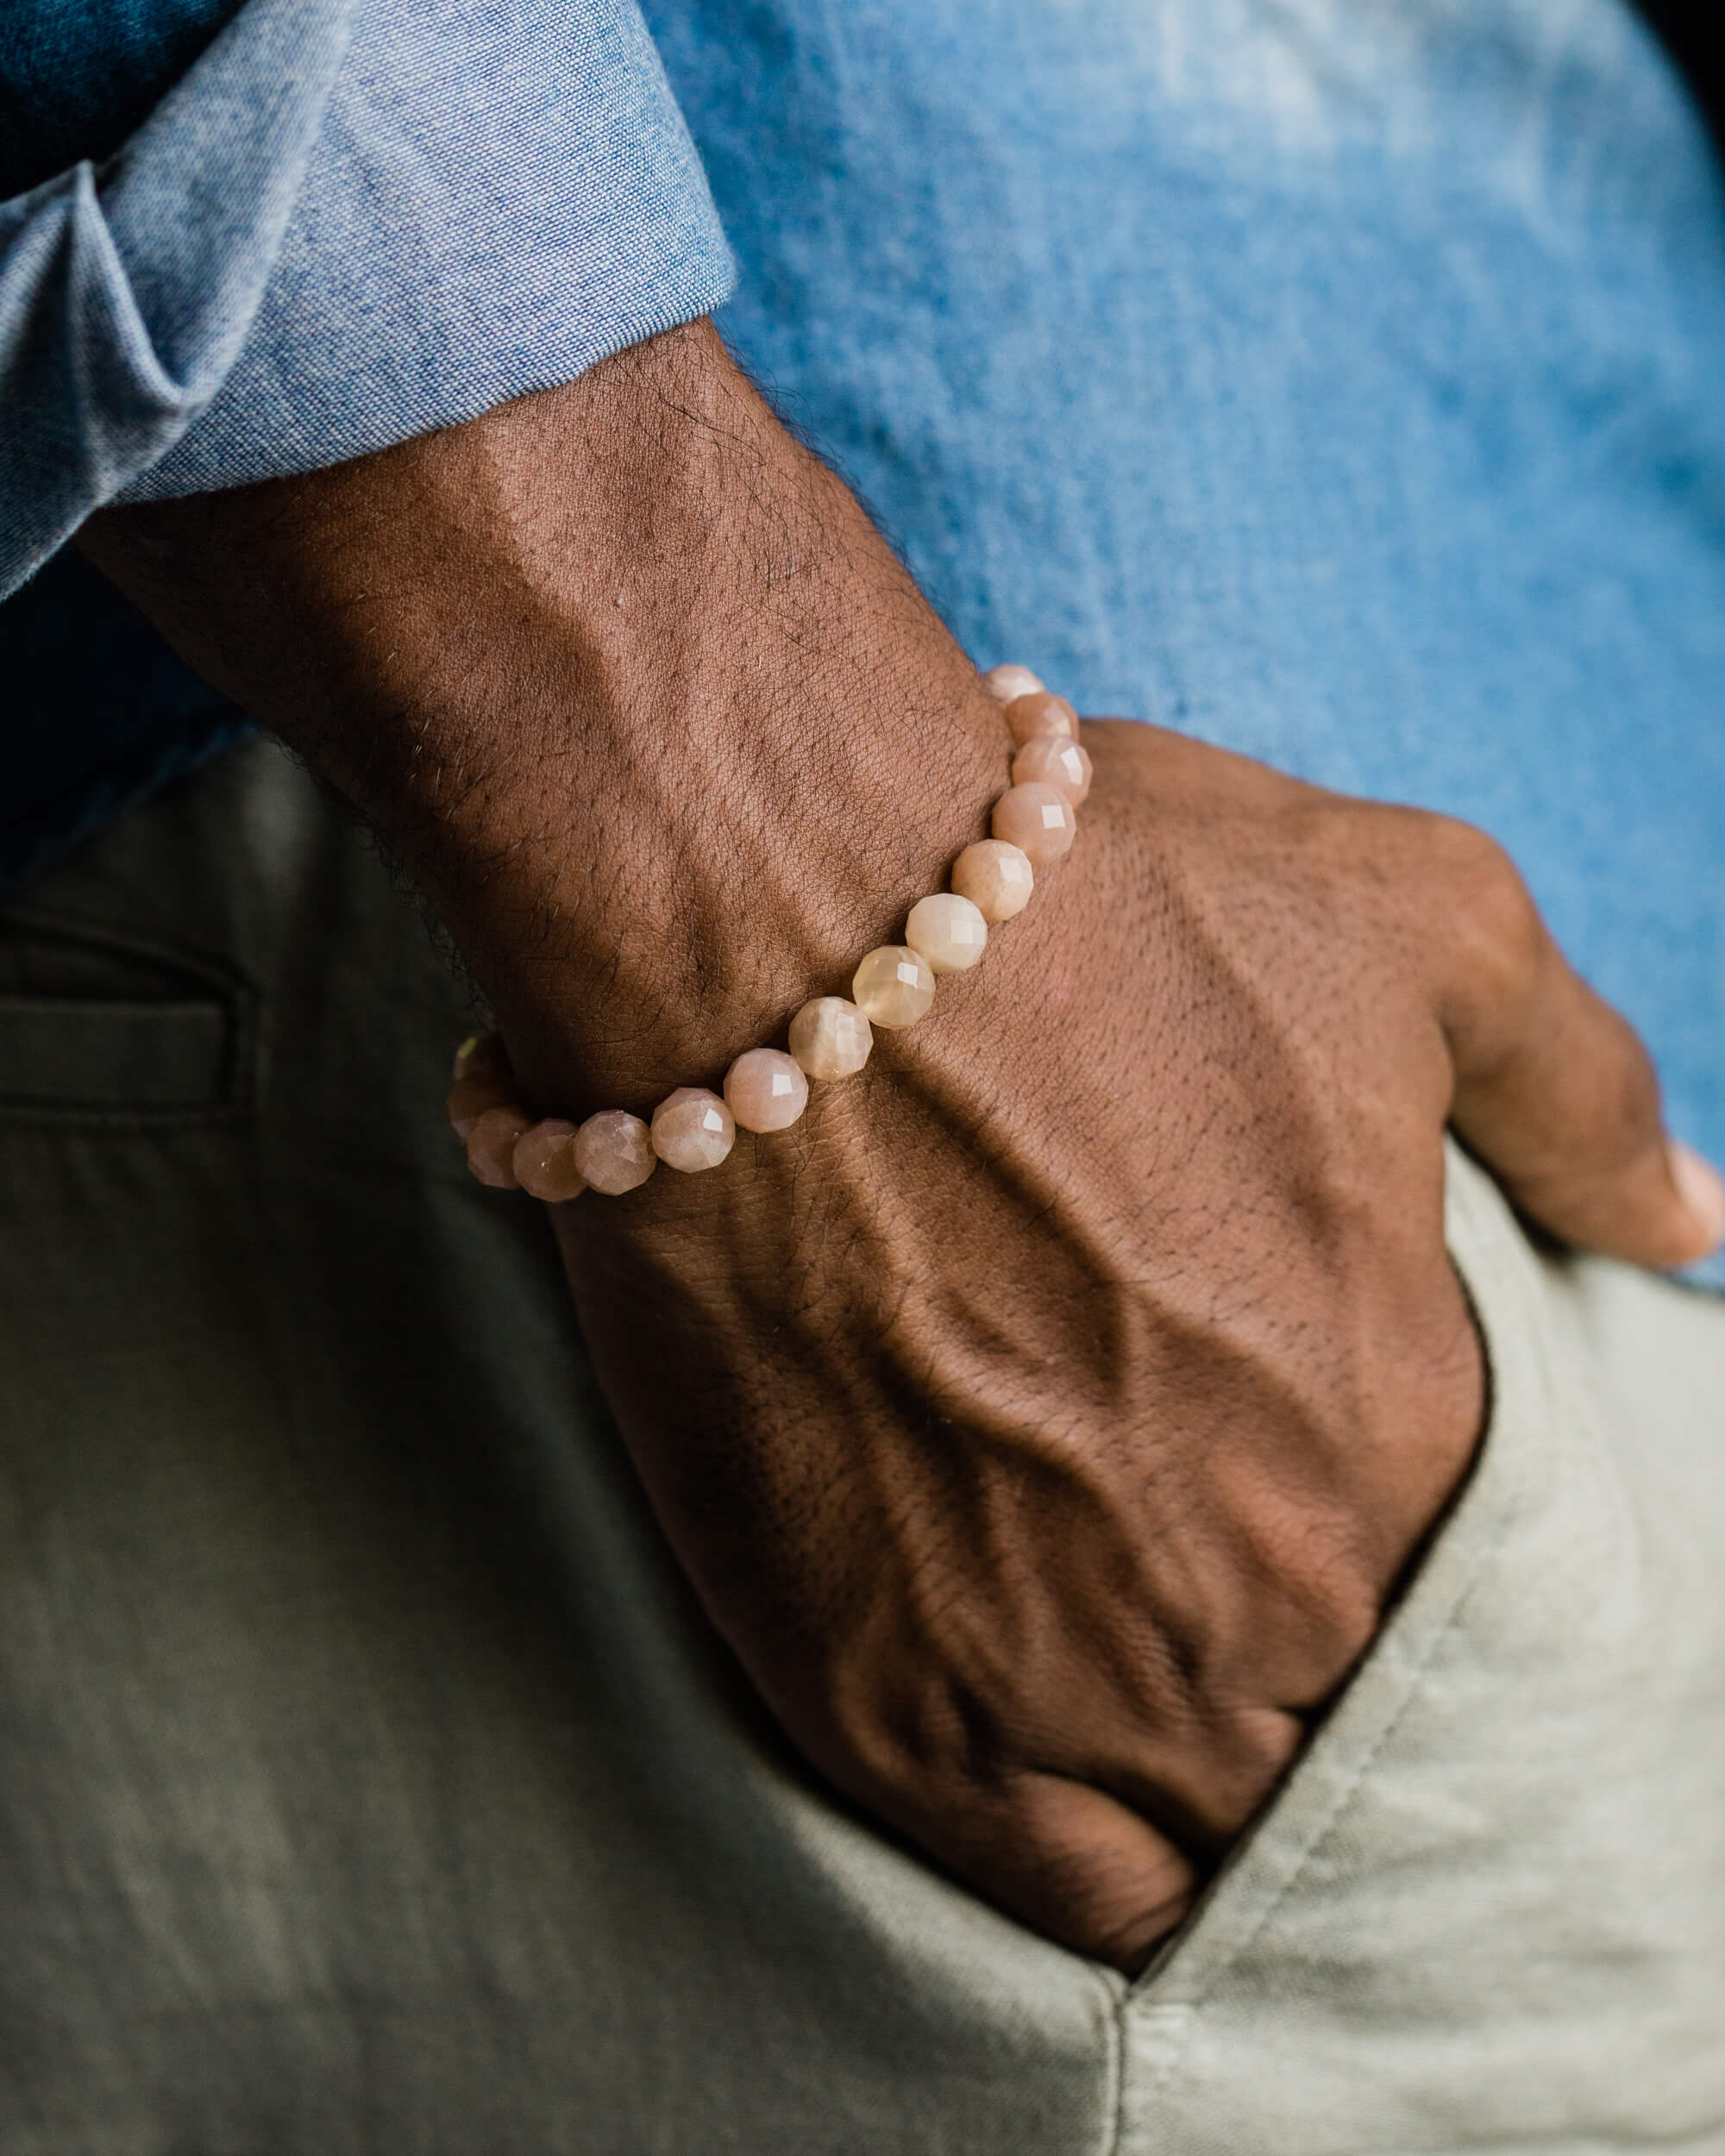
1325,1827
217,973
1114,2125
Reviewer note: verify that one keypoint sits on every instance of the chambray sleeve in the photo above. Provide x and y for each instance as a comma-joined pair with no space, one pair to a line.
348,222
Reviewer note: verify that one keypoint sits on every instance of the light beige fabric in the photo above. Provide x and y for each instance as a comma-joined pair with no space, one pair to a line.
1488,1912
371,1785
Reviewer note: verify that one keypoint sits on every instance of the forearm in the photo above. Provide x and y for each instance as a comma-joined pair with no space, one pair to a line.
628,680
1047,1419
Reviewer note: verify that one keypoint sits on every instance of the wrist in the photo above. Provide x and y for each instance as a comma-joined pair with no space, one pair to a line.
626,678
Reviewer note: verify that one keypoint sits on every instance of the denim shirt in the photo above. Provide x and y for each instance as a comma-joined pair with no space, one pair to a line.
346,223
1338,383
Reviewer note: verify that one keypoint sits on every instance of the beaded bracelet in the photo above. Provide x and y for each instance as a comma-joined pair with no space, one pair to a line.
1033,824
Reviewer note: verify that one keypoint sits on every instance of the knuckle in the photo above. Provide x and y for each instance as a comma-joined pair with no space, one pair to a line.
1488,909
1631,1109
1091,1866
1335,1587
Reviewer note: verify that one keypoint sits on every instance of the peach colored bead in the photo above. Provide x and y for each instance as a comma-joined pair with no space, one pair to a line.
831,1038
1029,718
614,1152
480,1053
545,1161
948,930
1004,683
765,1089
1054,761
995,877
1037,819
692,1129
473,1096
491,1146
893,986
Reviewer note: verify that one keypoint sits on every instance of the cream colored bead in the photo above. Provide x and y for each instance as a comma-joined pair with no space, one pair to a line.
1037,819
831,1038
492,1141
545,1161
614,1152
765,1089
692,1129
1029,718
1004,683
472,1096
1054,761
893,986
995,877
948,930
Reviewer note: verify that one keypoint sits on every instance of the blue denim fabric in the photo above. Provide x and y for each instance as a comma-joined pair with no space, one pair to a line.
95,711
501,194
124,303
347,223
1342,382
78,75
1336,381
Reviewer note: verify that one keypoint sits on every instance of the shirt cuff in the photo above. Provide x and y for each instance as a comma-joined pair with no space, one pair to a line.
350,223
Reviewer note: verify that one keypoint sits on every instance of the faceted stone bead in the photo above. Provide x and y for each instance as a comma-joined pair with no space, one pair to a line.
614,1152
765,1089
1029,718
1055,760
893,986
995,877
491,1146
545,1161
831,1038
949,932
692,1129
1004,683
480,1052
1039,819
471,1097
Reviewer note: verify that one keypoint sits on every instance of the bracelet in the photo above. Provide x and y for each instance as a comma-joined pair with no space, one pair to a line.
1032,825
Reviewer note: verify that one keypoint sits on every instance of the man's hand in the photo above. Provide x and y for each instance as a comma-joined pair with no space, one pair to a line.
1048,1419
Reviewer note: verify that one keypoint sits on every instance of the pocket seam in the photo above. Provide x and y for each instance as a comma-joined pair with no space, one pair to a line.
1517,1350
221,982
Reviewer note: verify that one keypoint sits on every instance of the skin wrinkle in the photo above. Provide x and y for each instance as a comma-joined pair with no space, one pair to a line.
922,1505
934,1508
1047,1421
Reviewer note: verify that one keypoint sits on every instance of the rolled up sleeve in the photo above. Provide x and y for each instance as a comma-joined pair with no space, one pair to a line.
347,223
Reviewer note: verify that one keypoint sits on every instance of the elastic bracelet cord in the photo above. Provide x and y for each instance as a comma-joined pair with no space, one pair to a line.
1033,824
